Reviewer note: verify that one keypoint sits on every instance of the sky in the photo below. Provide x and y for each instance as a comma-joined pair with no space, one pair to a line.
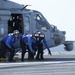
60,13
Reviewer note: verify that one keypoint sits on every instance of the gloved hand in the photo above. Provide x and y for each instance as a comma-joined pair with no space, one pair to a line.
49,52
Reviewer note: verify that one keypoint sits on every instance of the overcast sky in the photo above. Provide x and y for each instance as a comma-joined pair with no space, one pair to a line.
61,13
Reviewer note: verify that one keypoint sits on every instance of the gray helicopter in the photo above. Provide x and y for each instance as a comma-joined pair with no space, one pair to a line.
14,16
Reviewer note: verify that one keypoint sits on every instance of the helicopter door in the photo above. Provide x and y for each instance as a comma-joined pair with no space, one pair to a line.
27,22
42,25
15,23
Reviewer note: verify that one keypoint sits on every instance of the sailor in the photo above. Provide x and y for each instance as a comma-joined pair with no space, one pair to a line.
7,43
26,43
40,39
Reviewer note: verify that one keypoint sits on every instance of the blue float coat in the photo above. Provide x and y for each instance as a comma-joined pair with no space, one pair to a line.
9,40
43,41
28,40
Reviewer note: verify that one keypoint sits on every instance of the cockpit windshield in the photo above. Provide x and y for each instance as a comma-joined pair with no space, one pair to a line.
54,27
41,22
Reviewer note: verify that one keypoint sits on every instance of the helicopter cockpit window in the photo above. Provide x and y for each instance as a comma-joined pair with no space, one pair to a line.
41,23
54,28
39,17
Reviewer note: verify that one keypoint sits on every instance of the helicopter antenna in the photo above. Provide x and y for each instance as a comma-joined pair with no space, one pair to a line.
25,7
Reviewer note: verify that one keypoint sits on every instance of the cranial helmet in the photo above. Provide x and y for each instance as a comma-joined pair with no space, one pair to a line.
41,35
15,32
39,32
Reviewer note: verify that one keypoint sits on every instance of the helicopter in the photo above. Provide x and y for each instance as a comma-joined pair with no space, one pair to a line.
14,16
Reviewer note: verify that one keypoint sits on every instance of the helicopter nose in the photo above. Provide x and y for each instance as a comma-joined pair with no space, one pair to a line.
64,32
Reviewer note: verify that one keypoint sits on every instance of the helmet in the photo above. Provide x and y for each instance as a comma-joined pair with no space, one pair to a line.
39,32
41,35
15,32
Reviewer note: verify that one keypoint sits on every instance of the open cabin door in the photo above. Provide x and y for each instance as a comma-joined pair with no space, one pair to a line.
15,23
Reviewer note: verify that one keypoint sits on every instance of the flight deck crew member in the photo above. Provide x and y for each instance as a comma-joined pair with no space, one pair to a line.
40,39
7,42
26,43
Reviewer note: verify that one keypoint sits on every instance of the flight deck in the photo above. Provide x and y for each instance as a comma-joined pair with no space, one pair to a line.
55,65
